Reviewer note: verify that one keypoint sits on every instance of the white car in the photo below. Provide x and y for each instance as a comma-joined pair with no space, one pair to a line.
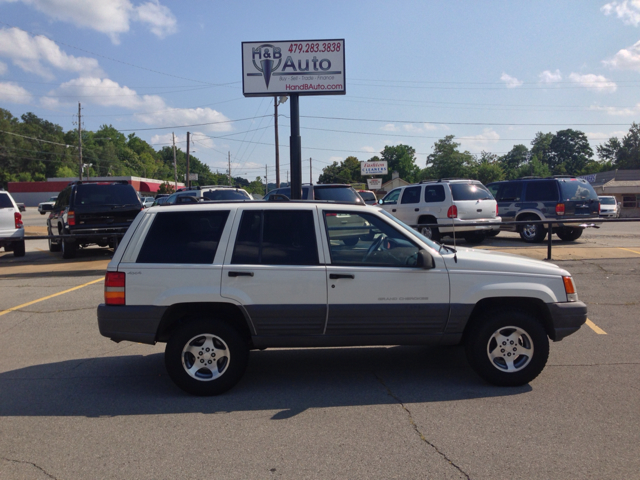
11,226
215,280
147,202
609,207
450,204
44,207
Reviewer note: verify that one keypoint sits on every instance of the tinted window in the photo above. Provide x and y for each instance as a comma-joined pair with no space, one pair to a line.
434,193
115,194
5,201
543,191
276,237
411,195
607,200
337,194
575,189
509,192
183,237
63,198
368,197
379,245
392,197
470,191
229,194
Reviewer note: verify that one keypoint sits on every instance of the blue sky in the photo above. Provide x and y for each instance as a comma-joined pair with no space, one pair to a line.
492,73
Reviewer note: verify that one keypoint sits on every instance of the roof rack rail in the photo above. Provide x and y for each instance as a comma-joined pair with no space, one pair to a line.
529,177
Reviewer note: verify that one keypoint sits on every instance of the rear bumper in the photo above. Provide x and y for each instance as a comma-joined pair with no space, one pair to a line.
133,323
567,318
459,225
10,236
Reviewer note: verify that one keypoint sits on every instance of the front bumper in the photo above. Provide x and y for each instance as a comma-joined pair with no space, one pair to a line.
567,318
136,323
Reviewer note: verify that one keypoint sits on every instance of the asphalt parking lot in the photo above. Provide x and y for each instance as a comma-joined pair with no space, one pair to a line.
74,405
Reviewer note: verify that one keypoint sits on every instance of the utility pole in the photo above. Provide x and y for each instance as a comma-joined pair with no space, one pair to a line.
275,103
230,182
310,172
80,140
175,167
188,182
266,180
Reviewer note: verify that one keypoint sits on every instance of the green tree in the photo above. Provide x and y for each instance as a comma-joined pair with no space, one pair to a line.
447,161
511,162
488,168
401,159
541,147
569,152
628,155
347,171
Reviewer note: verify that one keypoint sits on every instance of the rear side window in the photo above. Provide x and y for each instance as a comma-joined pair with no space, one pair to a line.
411,195
337,194
183,237
229,194
543,191
470,191
509,192
116,194
434,193
276,237
574,189
5,201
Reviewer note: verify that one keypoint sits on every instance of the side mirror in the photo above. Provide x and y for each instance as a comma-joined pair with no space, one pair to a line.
425,260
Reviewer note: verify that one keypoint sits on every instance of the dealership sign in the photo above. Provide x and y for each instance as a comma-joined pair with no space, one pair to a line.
303,67
373,168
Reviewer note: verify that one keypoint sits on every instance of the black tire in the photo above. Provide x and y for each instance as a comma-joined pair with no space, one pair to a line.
474,237
432,233
569,234
533,233
492,233
228,351
69,248
350,242
527,347
19,249
42,213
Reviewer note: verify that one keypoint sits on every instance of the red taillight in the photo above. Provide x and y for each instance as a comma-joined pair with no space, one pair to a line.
497,210
114,288
560,209
330,214
452,212
71,218
598,208
17,217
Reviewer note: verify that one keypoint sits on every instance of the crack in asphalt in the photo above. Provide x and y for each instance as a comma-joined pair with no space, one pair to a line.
54,311
417,430
29,463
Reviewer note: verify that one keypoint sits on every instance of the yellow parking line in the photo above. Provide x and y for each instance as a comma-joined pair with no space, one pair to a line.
50,296
595,328
629,250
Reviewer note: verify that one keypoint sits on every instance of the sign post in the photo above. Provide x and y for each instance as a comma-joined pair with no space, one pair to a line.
294,68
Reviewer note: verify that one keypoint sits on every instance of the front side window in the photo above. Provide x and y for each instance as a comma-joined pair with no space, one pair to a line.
276,237
392,197
183,237
411,195
509,192
378,243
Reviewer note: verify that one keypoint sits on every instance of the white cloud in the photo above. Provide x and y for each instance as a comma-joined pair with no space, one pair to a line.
389,127
36,54
597,83
111,17
10,92
476,143
510,81
411,128
617,112
3,68
550,77
368,149
626,59
151,109
628,11
602,137
429,126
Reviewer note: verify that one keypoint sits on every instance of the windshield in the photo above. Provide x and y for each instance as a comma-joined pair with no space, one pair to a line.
226,195
337,194
577,190
368,196
431,243
470,191
607,200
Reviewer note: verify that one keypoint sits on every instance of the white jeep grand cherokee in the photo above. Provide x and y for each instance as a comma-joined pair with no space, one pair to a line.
216,280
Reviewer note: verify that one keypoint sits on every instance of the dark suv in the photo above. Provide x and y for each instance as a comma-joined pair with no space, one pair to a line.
570,200
339,193
99,209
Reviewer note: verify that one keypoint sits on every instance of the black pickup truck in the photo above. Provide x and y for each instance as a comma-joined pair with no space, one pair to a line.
95,212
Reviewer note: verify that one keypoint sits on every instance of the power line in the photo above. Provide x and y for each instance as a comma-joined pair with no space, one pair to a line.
191,125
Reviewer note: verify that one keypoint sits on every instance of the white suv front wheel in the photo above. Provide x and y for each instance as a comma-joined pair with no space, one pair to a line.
206,357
